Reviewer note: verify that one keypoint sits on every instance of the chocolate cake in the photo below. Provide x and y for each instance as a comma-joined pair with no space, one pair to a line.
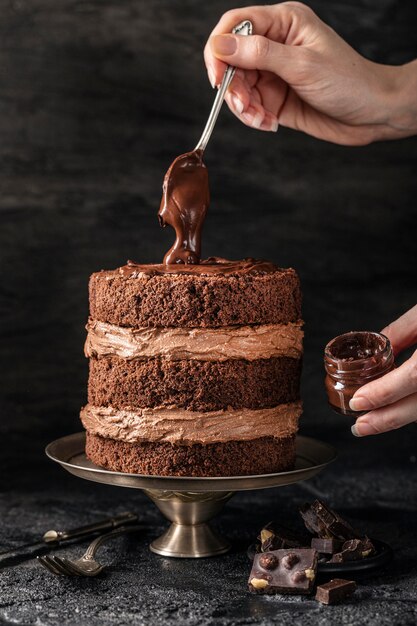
194,368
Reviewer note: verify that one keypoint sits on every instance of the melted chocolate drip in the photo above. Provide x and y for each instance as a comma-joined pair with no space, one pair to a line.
210,266
184,206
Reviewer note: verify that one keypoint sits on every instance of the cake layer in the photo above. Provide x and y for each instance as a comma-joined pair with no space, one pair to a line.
146,298
170,424
266,455
204,344
194,385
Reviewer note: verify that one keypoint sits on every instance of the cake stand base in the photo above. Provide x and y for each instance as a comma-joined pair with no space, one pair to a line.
190,502
189,535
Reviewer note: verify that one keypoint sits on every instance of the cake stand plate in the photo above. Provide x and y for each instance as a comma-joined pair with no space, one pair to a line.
190,502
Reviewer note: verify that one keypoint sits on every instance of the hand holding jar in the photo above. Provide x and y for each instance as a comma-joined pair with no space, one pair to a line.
390,401
361,379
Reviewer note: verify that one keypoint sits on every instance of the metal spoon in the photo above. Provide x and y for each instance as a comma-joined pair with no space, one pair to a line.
244,28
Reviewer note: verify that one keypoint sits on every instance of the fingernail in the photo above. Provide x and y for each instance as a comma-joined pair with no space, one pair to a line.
211,77
355,431
224,44
269,125
257,120
254,120
359,404
362,429
237,104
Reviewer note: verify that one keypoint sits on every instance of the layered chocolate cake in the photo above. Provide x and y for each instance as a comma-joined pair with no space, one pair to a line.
194,369
194,365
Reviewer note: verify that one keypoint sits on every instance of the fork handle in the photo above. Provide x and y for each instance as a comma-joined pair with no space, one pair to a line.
95,545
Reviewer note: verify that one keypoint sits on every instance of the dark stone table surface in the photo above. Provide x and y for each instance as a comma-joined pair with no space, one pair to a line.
96,99
372,482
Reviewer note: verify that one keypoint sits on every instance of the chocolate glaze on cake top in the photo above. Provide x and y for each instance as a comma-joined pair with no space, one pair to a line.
210,266
184,205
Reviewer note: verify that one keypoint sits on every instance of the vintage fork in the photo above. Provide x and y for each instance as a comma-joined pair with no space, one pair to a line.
86,565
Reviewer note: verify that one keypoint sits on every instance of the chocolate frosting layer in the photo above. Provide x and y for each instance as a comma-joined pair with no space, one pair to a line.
209,344
184,205
180,426
208,267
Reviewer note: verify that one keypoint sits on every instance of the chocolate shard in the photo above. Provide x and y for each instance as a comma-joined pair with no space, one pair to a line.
284,571
313,524
326,545
335,591
274,536
354,550
326,523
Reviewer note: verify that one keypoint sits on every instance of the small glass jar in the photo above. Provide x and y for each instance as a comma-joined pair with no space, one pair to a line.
351,361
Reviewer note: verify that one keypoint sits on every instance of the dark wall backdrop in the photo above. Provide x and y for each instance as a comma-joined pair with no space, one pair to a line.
96,99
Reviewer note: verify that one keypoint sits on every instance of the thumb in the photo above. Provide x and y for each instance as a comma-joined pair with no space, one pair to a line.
254,52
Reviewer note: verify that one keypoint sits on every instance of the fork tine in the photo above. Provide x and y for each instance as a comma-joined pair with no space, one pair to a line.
58,566
41,561
67,566
47,564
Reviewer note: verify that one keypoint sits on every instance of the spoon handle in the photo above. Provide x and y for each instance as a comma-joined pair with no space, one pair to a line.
244,28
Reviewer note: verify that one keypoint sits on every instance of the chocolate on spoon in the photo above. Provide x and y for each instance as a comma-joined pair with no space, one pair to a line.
186,194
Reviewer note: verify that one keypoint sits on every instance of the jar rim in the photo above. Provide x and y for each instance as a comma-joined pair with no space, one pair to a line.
382,345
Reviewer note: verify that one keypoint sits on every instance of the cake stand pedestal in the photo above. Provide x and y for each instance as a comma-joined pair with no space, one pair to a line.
189,503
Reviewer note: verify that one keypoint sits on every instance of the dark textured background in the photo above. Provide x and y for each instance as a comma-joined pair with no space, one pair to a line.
96,98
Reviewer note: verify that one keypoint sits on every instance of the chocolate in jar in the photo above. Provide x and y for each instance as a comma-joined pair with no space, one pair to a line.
352,360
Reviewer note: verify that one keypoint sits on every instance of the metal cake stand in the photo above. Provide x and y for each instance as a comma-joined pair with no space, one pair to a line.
189,503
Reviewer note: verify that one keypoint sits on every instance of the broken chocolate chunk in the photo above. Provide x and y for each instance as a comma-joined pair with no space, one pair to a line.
273,536
326,546
284,571
322,521
354,550
335,591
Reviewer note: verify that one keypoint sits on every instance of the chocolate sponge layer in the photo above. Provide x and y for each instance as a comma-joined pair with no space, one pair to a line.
233,458
194,385
195,300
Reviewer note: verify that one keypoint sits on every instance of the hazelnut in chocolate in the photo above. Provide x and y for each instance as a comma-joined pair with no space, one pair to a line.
284,571
354,550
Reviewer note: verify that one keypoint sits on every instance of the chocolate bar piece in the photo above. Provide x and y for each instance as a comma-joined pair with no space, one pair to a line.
322,521
274,536
284,571
354,550
335,591
326,546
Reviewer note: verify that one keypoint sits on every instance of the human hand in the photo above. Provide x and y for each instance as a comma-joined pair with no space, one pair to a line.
392,399
297,72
